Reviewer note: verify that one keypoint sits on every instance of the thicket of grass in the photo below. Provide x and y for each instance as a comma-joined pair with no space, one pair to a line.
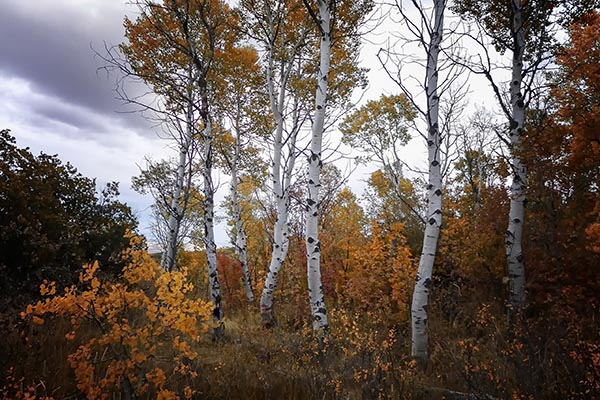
547,354
365,357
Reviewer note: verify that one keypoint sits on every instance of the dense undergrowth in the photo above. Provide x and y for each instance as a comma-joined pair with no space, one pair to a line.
146,335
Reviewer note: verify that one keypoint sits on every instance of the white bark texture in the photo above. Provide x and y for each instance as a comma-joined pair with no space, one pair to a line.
240,234
280,236
423,280
313,245
176,209
516,217
281,172
175,213
209,234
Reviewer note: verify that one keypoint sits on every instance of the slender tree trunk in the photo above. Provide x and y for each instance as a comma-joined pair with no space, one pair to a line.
516,216
240,233
175,213
281,174
176,210
423,281
280,236
209,213
280,230
313,245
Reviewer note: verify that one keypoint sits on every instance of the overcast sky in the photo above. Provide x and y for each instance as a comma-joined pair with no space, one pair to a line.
54,99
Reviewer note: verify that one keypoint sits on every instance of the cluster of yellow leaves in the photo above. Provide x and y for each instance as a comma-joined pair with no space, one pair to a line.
357,336
371,271
146,326
158,48
472,242
382,271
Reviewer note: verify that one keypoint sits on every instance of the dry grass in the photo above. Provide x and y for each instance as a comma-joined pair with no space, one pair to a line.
364,358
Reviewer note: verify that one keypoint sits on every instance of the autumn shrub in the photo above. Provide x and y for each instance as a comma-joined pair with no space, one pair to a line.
593,230
145,328
195,265
371,353
230,278
472,240
53,220
364,357
380,275
17,389
587,356
541,356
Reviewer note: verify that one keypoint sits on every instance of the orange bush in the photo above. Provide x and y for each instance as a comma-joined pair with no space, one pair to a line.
146,326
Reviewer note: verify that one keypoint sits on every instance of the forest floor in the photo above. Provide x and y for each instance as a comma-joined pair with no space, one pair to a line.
364,357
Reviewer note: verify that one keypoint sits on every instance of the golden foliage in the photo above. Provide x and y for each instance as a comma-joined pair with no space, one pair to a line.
146,327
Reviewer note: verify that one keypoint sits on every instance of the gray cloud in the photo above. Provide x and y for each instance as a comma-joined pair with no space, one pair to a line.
52,52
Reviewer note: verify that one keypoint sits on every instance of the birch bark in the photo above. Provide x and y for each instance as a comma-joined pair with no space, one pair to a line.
282,169
209,235
203,60
241,238
281,228
423,281
516,216
177,209
175,214
313,245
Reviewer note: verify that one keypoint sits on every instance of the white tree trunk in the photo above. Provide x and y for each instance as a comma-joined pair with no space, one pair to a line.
209,234
240,233
434,194
281,174
516,217
280,233
313,245
176,209
175,213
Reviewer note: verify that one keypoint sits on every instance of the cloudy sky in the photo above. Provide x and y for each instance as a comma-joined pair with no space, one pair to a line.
54,99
